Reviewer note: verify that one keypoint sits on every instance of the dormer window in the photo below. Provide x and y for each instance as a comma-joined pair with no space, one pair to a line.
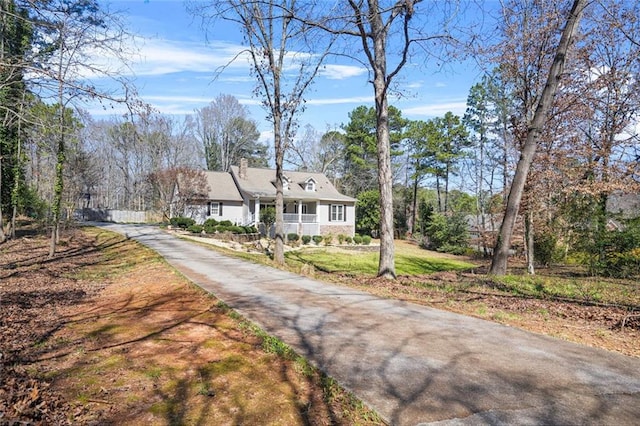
310,185
285,183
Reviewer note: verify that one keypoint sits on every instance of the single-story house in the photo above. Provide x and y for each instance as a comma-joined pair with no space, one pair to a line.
312,204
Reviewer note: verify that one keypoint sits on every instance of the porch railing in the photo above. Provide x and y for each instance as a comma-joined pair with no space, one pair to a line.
294,218
288,218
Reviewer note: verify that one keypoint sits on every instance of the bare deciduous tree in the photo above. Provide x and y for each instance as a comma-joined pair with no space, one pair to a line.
501,251
284,63
226,133
76,38
380,26
317,152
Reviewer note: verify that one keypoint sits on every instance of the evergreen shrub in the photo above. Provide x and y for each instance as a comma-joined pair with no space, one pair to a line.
182,222
195,229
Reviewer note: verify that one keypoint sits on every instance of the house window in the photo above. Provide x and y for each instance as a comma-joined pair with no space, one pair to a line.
337,213
214,209
310,185
285,183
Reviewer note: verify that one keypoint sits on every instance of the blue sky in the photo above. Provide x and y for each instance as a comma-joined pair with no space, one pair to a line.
176,73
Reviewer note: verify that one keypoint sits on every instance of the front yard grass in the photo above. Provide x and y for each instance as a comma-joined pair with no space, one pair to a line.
409,260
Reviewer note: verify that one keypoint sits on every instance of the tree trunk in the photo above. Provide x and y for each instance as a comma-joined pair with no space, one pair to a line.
3,236
16,175
58,184
386,264
446,188
58,188
480,201
414,205
528,241
501,251
438,193
278,249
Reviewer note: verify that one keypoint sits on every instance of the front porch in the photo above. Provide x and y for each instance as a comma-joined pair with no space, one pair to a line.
299,217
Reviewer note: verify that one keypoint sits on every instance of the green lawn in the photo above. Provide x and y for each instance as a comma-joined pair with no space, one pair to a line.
409,260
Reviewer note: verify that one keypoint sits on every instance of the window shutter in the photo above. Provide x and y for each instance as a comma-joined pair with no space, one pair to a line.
344,212
219,209
209,208
330,208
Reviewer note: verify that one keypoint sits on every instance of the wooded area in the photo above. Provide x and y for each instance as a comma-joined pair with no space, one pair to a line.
444,181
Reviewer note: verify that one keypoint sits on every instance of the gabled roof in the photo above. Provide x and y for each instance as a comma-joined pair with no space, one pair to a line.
222,187
261,183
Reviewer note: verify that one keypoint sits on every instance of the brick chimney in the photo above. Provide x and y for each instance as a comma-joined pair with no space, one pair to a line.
243,168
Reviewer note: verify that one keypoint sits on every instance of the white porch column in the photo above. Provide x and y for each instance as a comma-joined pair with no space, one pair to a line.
256,213
299,211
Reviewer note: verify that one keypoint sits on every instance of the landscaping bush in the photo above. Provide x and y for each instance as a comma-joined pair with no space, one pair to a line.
221,227
366,240
182,222
209,228
317,239
306,239
341,238
357,239
225,223
328,239
293,237
210,223
195,229
348,240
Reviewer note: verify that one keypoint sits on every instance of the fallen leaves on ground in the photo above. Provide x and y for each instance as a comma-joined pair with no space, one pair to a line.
106,333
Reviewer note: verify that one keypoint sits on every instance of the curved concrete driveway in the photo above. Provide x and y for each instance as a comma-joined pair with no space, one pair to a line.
413,364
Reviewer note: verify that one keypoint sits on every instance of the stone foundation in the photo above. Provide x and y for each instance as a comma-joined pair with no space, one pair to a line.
335,230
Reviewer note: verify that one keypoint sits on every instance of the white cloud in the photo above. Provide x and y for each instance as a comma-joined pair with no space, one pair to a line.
249,101
437,109
237,79
341,72
266,136
158,57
